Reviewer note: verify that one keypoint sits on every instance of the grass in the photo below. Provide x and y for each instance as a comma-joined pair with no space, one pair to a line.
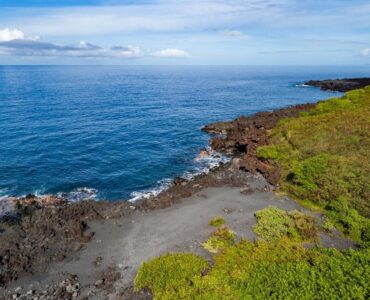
273,224
325,160
216,221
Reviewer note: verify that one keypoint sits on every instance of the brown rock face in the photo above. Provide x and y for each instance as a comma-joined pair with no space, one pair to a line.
244,135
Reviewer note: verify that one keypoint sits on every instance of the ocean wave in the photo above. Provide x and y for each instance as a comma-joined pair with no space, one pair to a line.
302,85
79,194
203,164
162,185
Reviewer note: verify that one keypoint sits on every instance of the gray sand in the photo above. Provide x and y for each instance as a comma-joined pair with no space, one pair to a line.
125,243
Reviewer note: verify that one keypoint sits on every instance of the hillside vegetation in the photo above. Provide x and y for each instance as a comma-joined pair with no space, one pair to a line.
324,157
325,160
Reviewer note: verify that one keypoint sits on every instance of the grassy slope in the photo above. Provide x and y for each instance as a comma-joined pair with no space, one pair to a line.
325,161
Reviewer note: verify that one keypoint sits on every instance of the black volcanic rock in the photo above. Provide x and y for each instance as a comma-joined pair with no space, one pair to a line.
340,85
244,135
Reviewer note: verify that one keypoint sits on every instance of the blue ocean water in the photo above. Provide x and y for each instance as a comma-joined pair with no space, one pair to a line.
120,129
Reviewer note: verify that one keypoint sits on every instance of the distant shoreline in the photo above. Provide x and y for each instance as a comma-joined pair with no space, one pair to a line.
339,85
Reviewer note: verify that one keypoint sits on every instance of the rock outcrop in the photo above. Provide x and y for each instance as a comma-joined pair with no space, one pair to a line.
340,85
243,136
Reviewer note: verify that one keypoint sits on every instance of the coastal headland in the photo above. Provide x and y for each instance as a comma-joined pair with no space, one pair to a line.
52,249
340,85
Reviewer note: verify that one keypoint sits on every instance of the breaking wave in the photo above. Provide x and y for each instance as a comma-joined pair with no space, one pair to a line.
203,164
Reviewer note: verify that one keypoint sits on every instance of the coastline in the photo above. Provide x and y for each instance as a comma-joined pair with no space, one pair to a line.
37,218
73,217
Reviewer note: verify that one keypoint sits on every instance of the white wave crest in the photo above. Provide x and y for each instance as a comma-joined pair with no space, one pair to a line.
79,194
161,186
203,164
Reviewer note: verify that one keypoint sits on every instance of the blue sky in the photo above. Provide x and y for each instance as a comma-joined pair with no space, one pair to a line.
222,32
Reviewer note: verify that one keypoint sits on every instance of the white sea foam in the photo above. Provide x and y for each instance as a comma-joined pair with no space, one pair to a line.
161,186
302,85
202,165
79,194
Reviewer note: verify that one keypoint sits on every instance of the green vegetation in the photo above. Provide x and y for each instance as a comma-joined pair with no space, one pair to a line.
217,221
220,239
273,224
170,274
262,270
325,160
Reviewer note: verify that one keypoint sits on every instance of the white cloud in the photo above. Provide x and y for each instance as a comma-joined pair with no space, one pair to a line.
19,45
231,33
365,52
175,53
127,51
10,34
28,47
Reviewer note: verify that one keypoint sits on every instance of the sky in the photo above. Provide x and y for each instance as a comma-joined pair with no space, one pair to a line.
185,32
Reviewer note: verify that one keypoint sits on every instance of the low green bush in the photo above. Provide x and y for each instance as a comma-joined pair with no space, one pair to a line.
220,239
169,273
273,224
265,270
216,221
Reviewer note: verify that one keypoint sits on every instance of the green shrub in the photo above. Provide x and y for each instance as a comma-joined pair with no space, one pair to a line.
273,224
348,220
307,174
281,270
220,239
268,152
169,273
217,221
272,152
328,226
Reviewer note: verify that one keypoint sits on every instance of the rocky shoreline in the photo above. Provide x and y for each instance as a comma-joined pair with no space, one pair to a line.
244,135
340,85
41,231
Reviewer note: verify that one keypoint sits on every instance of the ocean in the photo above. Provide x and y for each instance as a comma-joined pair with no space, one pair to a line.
118,132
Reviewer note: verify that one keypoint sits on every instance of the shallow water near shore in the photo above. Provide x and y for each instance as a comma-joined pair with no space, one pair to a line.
125,130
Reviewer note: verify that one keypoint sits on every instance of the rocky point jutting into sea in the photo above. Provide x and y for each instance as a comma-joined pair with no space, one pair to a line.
340,85
39,232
